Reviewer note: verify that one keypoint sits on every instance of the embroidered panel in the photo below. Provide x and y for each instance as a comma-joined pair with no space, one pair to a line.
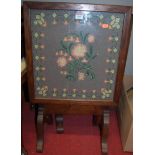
75,53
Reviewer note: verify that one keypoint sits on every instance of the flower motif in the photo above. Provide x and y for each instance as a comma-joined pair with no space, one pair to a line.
113,61
91,39
54,15
77,40
79,51
74,90
43,90
66,22
115,50
105,26
42,35
37,57
81,76
36,35
62,62
101,16
75,55
65,39
66,15
54,22
45,24
42,46
70,58
109,49
110,38
84,91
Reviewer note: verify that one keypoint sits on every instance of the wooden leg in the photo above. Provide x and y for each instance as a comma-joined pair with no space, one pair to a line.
40,129
49,119
97,120
59,123
104,132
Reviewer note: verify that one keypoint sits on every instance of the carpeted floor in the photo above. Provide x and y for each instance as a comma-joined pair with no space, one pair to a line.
80,137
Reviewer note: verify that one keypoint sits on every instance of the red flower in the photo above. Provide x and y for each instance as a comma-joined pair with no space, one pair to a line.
105,26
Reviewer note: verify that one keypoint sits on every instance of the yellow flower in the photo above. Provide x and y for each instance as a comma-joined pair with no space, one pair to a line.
91,39
81,76
79,51
62,62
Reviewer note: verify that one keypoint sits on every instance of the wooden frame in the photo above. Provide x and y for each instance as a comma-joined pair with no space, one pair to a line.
75,106
87,7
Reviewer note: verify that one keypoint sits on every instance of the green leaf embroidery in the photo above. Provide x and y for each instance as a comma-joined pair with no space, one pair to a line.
76,63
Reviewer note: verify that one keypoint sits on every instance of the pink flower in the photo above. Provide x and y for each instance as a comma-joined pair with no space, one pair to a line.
105,26
62,62
91,39
81,76
79,51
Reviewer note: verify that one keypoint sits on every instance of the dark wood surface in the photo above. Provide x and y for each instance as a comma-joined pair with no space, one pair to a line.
60,107
40,129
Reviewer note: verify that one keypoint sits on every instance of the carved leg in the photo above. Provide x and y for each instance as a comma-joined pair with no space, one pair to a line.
49,119
97,120
40,129
105,132
59,123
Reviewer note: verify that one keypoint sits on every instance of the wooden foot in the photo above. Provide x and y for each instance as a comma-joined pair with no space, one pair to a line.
49,119
59,123
40,129
97,120
105,132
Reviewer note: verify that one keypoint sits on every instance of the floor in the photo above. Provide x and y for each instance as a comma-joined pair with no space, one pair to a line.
79,138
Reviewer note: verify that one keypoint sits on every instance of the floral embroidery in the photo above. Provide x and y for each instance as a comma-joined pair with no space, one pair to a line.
105,93
39,20
40,68
66,19
113,38
81,76
79,51
37,35
112,50
73,59
112,71
62,62
54,15
115,22
108,81
54,92
91,39
39,46
43,90
111,61
76,52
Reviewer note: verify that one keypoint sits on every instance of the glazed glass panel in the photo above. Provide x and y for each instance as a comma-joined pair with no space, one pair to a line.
75,53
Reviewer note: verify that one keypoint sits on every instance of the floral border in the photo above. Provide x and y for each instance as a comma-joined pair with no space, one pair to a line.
41,85
103,22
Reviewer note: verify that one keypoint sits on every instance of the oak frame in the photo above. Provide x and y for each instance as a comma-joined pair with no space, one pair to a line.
126,10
